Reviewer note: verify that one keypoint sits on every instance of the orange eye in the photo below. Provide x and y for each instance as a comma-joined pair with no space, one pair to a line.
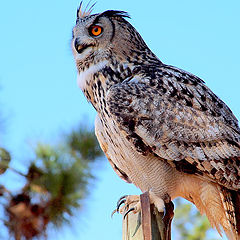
96,30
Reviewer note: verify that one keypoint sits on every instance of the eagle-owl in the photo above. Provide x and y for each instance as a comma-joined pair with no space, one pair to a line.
160,127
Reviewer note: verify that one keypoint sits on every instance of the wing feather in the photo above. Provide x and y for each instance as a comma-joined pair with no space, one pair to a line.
176,117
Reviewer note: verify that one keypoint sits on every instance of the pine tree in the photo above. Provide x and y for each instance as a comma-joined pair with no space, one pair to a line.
55,185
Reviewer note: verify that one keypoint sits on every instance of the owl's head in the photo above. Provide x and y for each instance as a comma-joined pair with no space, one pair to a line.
104,35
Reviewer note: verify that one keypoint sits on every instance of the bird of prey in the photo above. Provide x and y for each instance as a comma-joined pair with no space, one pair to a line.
160,127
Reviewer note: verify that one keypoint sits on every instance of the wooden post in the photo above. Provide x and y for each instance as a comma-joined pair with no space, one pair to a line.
149,224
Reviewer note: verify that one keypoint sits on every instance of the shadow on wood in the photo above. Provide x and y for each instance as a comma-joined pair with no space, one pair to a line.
149,224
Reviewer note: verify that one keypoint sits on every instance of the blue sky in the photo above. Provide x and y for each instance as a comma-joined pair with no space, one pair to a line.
40,98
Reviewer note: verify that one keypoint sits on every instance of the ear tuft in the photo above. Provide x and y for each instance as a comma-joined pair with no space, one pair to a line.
84,13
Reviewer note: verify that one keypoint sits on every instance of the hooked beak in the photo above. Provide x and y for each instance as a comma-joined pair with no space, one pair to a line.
80,47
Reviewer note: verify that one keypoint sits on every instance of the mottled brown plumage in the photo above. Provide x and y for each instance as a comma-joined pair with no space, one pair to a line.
160,127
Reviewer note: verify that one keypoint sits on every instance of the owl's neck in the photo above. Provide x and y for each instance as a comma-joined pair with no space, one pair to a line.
97,78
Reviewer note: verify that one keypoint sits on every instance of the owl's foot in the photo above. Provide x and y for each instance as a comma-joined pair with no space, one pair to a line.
132,203
129,200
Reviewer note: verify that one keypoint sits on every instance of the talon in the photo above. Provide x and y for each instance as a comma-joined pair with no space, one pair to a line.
164,212
121,198
113,212
128,211
127,200
119,204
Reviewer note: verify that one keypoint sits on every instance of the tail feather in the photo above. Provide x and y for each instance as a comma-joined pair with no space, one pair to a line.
221,206
228,198
236,203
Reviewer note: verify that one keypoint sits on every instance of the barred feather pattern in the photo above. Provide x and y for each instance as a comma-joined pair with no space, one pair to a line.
160,127
229,208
